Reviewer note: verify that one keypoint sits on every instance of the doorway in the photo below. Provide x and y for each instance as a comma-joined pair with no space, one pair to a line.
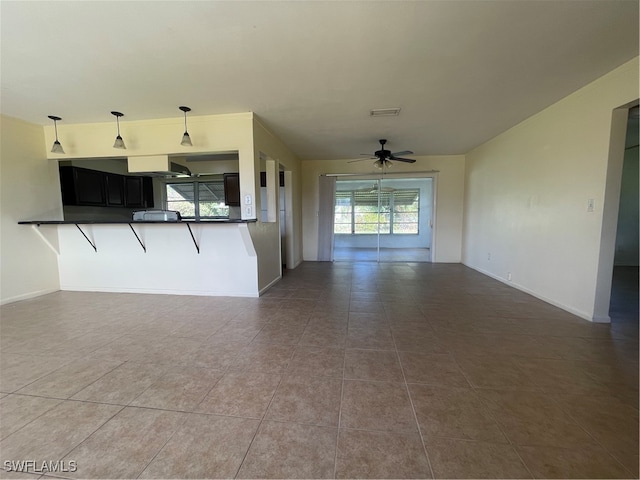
383,220
623,307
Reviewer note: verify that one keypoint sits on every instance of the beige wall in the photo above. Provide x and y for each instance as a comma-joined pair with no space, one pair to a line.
209,133
527,190
449,187
29,189
266,236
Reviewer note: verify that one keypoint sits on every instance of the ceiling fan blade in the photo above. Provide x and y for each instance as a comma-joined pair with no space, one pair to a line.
406,160
358,160
404,152
371,189
374,189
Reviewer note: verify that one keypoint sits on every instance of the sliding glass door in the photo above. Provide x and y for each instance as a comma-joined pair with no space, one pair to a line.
386,220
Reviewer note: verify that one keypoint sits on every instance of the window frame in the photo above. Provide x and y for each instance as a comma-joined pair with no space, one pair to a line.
196,197
392,213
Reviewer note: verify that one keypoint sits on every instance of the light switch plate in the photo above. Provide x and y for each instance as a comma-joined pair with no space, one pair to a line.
247,200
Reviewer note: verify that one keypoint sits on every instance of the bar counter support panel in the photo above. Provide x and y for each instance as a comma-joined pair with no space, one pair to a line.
224,261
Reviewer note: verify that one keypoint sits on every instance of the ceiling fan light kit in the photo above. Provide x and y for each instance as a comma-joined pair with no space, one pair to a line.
379,164
383,156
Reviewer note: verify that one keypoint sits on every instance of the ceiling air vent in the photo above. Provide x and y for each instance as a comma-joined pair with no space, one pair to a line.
385,112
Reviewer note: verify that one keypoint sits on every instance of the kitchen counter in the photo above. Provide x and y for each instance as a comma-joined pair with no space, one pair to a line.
188,223
213,257
125,222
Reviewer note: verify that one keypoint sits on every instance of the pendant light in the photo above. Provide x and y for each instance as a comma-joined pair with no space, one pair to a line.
57,148
119,143
186,139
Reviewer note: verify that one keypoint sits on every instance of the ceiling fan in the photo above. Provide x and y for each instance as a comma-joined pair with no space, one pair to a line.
384,156
374,189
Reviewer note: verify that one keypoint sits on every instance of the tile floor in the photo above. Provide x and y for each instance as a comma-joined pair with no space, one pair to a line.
341,370
361,254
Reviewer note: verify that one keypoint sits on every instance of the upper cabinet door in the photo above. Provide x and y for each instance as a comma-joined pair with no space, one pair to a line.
89,187
147,189
115,189
134,192
232,189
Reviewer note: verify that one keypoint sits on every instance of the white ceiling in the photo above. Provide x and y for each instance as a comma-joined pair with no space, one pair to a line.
462,71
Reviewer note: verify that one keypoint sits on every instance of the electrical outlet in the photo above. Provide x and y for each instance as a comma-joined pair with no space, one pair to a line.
509,276
488,256
591,205
248,210
247,200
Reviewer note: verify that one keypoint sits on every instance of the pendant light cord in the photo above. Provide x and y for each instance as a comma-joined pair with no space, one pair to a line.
55,126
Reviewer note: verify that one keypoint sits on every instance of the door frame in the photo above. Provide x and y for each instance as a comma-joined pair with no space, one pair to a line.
397,175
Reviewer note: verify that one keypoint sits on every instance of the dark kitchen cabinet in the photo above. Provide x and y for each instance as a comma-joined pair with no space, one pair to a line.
81,186
67,186
114,185
232,189
147,191
138,192
133,193
85,187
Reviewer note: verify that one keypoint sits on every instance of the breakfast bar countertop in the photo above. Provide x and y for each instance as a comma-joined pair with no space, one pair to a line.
125,222
222,221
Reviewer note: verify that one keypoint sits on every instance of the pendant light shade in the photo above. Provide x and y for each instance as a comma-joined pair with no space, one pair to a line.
119,143
186,139
57,147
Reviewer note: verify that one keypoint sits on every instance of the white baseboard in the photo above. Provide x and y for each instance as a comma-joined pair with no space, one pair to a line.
27,296
601,319
524,289
298,263
199,293
276,280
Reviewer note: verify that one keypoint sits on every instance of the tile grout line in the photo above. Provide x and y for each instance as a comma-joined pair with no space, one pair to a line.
43,375
475,389
224,373
97,379
592,436
34,419
92,433
266,410
160,449
541,391
335,460
413,409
